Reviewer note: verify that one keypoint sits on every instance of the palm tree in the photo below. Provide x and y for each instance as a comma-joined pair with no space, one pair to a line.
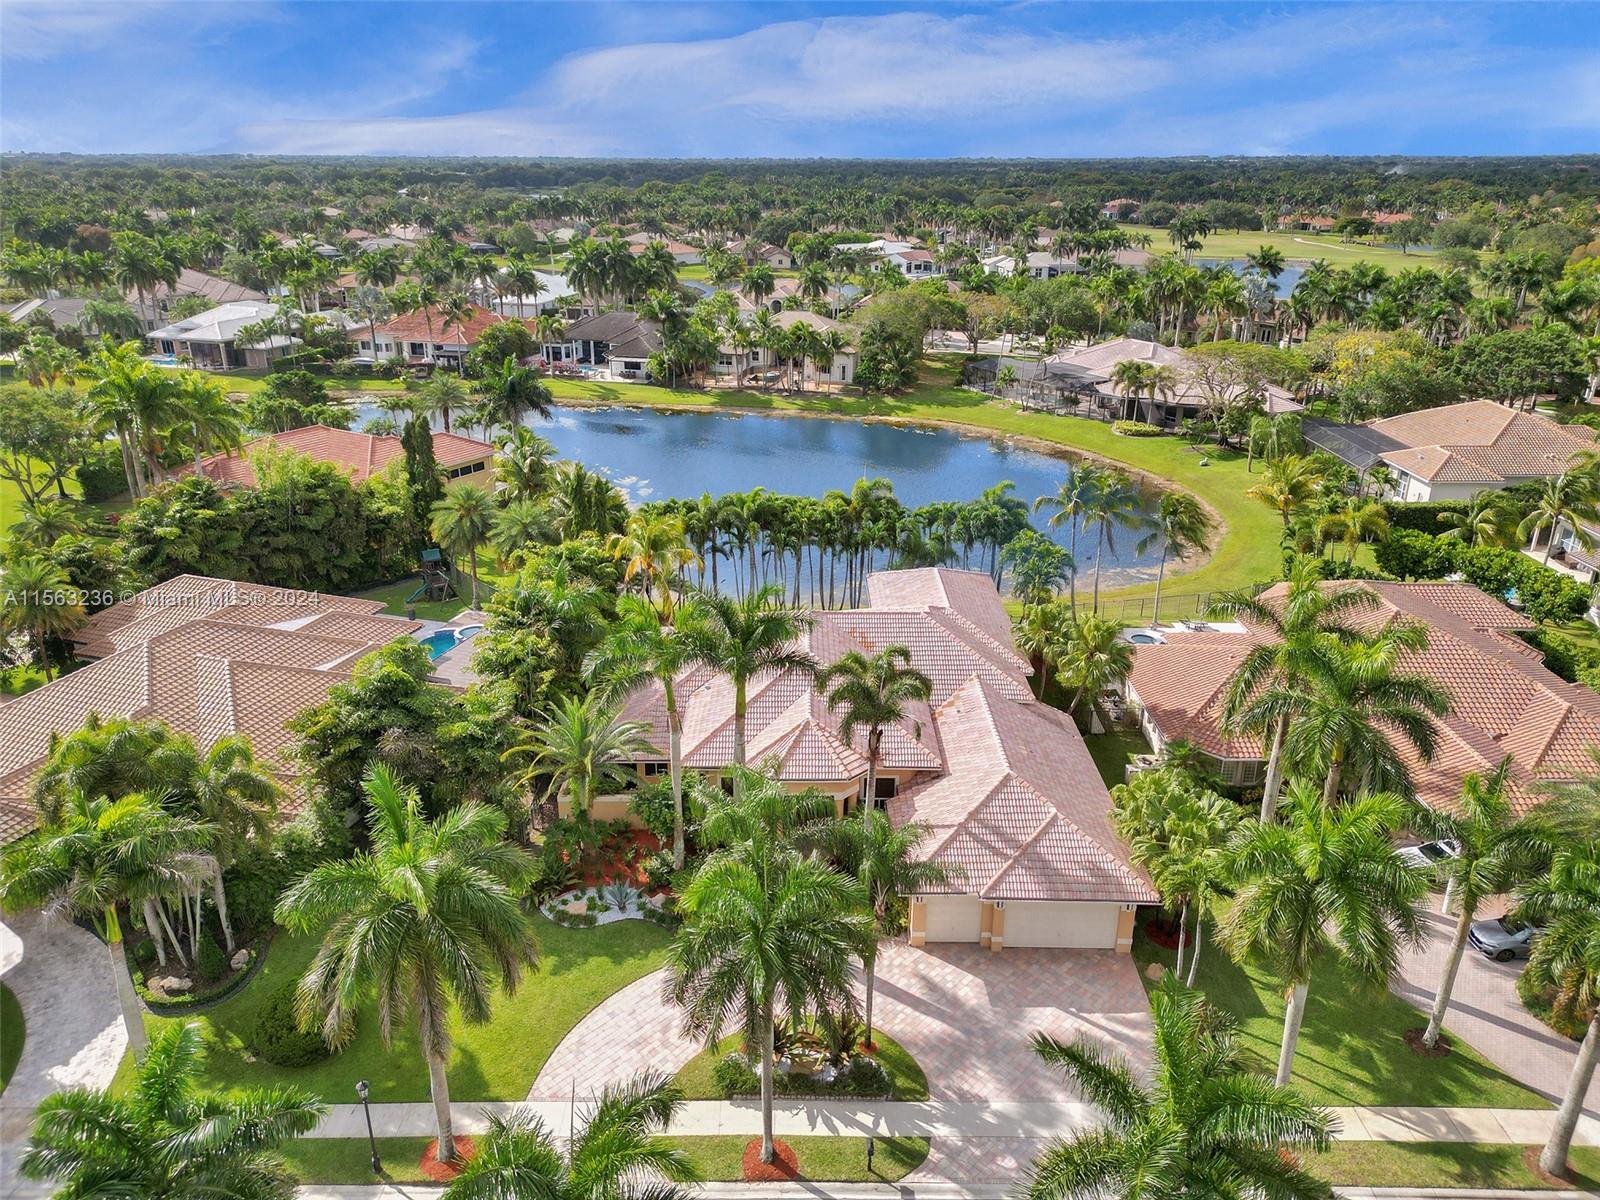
1356,699
1040,631
429,915
1264,690
766,928
640,647
1072,502
132,399
745,637
509,393
883,861
758,283
162,1139
1094,656
519,525
1490,519
1116,504
46,521
618,1152
461,522
1181,526
38,600
1268,260
1324,883
1569,498
1353,523
1204,1125
100,855
1565,903
584,747
654,551
1498,853
1285,485
873,693
522,463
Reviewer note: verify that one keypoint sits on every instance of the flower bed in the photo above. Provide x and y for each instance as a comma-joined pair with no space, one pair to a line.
150,980
585,907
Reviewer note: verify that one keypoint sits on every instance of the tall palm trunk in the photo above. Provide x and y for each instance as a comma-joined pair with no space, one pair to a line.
1099,553
1161,574
1194,954
439,1089
127,998
1294,1013
1553,1158
1183,933
1447,981
767,1047
870,965
675,767
1330,786
1274,783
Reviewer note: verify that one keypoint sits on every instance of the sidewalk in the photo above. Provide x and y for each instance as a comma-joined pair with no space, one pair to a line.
958,1119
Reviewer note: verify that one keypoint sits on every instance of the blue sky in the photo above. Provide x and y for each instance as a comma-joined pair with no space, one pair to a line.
799,80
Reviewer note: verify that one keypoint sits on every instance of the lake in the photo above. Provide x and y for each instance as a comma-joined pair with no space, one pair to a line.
653,455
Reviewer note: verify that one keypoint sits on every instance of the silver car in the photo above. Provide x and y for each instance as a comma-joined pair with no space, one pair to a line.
1428,853
1502,939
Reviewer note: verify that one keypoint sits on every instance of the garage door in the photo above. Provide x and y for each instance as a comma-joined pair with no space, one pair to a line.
1045,923
954,918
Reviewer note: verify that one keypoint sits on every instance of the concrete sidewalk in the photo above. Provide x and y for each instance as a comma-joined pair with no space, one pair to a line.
959,1119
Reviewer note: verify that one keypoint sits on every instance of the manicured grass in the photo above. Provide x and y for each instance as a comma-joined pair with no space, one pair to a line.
254,381
906,1079
1442,1165
13,1029
1295,245
1111,752
834,1159
1351,1049
497,1060
1246,553
394,596
348,1161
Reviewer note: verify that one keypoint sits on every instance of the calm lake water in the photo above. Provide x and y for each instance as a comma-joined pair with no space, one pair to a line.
655,455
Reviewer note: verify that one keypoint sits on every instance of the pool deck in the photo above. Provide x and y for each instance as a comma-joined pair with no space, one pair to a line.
454,666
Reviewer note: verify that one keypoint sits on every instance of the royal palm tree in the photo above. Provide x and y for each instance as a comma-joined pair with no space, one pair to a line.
584,747
1325,883
767,930
40,601
1268,260
163,1139
883,861
458,311
1265,688
639,648
1489,519
1094,656
745,637
871,693
617,1153
1116,504
428,918
1286,484
654,551
1181,526
1498,853
510,392
1072,503
1205,1123
461,522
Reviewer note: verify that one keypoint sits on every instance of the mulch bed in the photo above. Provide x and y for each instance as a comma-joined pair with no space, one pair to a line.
783,1168
1414,1041
1530,1159
1162,933
444,1172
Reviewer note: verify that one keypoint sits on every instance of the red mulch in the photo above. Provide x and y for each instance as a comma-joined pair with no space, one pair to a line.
597,874
868,1047
1414,1041
783,1167
444,1172
1530,1159
1162,934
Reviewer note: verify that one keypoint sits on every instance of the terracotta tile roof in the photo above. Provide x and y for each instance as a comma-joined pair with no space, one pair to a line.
413,327
1021,810
1481,441
360,454
1504,700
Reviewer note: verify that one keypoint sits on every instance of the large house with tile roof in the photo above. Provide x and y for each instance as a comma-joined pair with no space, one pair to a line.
1504,701
359,455
428,336
1455,450
209,657
1014,802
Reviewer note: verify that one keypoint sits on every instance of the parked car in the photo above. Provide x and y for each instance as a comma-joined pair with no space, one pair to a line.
1428,853
1502,939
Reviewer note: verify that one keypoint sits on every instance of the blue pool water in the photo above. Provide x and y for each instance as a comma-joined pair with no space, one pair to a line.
442,640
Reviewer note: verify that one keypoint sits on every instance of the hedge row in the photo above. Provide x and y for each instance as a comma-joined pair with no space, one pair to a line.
1545,594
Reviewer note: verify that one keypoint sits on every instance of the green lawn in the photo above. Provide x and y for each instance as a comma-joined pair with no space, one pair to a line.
1442,1165
394,596
1303,246
12,1031
1111,752
1246,553
842,1159
906,1080
1351,1050
497,1060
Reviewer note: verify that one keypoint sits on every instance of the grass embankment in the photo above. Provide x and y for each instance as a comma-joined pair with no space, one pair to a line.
1352,1050
497,1060
1245,553
345,1161
906,1078
1306,247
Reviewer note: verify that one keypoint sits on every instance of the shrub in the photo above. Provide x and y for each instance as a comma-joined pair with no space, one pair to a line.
259,873
211,960
658,870
100,475
278,1038
1136,429
1546,594
862,1075
1540,1001
1422,516
572,920
734,1076
652,806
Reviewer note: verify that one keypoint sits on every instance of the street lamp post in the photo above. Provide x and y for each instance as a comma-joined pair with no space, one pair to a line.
363,1090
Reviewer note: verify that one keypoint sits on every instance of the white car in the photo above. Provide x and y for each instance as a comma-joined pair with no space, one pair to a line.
1428,853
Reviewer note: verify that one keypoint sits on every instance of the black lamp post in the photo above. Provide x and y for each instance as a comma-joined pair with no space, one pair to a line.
363,1091
870,1148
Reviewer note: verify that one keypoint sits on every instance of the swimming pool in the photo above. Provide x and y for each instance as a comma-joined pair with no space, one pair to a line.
441,641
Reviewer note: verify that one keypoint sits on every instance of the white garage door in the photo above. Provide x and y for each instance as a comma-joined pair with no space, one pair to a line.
1053,923
954,918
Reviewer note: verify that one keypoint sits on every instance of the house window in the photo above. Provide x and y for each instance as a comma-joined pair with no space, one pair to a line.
366,345
885,787
651,770
468,469
417,349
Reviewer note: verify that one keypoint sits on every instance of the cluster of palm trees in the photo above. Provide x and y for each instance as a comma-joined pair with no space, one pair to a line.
694,338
